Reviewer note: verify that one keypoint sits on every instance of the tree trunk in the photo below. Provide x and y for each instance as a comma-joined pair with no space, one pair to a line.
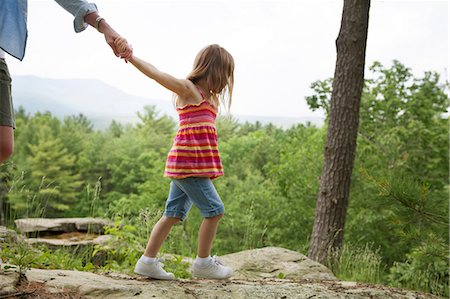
339,154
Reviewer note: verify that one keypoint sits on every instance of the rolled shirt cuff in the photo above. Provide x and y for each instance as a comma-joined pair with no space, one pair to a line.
79,24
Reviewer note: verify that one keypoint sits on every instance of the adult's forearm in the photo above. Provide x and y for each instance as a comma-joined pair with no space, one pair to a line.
79,9
86,13
101,25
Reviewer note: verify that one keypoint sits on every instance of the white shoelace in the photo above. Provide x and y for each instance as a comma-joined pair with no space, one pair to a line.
216,261
160,264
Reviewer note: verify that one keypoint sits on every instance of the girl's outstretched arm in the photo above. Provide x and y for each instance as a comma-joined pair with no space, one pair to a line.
179,86
182,87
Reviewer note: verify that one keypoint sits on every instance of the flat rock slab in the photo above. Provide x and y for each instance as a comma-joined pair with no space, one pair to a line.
275,262
57,243
35,225
123,286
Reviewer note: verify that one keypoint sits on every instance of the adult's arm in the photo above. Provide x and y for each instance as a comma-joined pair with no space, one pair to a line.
85,14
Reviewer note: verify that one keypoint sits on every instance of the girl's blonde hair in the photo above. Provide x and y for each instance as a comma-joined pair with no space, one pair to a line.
215,67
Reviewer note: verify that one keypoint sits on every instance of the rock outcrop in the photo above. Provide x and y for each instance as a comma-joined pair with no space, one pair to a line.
76,241
61,225
64,232
90,285
275,262
256,271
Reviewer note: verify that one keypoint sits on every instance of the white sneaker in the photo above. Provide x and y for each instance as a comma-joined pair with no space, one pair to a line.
153,270
213,270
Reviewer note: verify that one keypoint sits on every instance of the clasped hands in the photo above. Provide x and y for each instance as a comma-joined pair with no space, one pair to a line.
118,44
124,49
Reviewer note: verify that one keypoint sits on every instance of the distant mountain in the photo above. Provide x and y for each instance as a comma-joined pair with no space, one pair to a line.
95,99
102,103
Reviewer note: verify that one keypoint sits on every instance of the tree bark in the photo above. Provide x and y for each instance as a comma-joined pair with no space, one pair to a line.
339,153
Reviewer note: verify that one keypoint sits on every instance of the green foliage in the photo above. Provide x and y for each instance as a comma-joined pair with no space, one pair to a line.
401,210
124,249
398,200
322,97
178,267
64,258
58,185
89,202
399,192
425,268
23,256
47,182
20,256
227,127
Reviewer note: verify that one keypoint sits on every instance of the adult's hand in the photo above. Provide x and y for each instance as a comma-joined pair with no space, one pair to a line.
109,33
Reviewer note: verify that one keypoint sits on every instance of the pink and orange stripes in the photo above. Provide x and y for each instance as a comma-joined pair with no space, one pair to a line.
195,149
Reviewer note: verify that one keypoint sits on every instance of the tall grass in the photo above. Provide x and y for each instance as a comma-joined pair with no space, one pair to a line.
362,264
32,207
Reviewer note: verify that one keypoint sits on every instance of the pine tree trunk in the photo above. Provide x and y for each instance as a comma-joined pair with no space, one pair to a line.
340,146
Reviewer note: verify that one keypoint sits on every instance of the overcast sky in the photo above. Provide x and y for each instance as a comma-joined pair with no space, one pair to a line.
279,47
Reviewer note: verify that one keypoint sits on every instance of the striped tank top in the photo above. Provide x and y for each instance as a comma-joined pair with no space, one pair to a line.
195,150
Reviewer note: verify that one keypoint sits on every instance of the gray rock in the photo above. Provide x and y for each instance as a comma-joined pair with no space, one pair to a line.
124,286
270,262
94,225
57,243
35,225
88,284
8,282
7,235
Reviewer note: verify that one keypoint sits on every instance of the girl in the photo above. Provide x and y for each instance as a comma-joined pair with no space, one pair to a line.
194,158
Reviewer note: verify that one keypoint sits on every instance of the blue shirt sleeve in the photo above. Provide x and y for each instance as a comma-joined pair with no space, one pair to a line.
13,27
79,9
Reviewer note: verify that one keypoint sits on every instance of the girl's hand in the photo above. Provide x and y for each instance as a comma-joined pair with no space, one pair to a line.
123,48
121,44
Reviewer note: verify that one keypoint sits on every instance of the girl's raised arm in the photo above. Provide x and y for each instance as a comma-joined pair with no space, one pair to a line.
182,87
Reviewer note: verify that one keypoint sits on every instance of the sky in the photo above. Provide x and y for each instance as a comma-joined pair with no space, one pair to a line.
280,47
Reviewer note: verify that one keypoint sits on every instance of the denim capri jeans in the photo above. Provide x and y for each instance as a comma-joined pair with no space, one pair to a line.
193,190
